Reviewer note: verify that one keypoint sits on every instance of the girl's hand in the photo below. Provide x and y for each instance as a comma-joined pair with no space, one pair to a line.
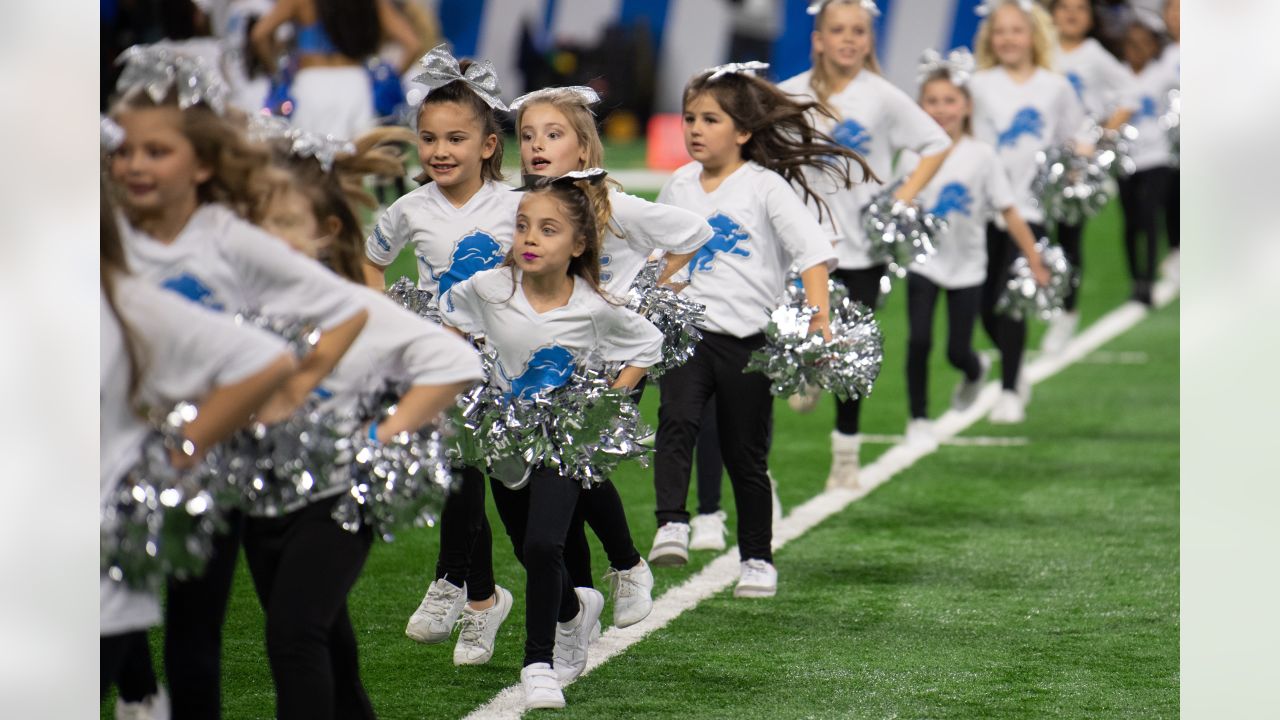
821,323
1040,272
904,196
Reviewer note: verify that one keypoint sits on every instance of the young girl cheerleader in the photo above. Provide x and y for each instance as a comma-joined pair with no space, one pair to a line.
157,352
1109,94
303,564
543,313
968,185
459,223
1171,60
184,174
1143,193
748,140
1020,107
332,91
557,132
877,120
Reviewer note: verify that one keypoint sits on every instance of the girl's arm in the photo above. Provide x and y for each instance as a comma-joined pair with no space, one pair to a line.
422,405
226,409
674,262
375,276
333,344
921,176
397,27
1118,118
263,35
629,377
816,293
1026,242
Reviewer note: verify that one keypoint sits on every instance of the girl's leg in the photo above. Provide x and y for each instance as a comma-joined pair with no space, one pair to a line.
124,660
549,597
1009,336
710,465
351,701
1070,237
962,315
602,507
922,298
744,407
685,392
1172,202
863,286
460,525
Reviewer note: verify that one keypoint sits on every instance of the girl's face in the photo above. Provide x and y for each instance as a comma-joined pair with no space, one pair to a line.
1072,18
710,135
545,239
548,144
947,104
1011,36
452,145
1140,46
843,38
1173,19
157,165
290,215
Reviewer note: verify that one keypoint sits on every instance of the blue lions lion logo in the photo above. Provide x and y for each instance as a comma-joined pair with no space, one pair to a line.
953,197
1146,109
605,275
548,368
852,135
193,288
1076,82
473,253
729,237
1028,121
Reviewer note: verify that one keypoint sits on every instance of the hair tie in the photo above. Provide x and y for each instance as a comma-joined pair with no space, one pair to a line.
870,6
986,7
442,68
749,68
587,95
594,176
156,69
958,65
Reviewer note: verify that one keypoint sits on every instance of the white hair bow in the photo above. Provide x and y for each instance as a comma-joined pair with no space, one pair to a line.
751,68
584,93
324,148
986,7
870,6
442,68
958,64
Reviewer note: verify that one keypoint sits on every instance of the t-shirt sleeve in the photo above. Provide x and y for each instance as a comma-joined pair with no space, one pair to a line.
1000,195
626,337
913,129
389,236
650,226
806,242
463,307
429,354
1123,92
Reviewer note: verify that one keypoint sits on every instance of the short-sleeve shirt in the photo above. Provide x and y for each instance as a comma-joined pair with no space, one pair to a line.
645,227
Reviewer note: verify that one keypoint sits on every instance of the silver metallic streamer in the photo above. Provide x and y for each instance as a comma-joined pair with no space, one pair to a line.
401,483
156,70
901,233
416,300
1022,298
1071,187
324,148
300,335
674,315
1171,121
441,68
1115,150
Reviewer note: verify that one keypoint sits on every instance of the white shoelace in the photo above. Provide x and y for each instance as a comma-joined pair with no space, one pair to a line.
437,606
620,583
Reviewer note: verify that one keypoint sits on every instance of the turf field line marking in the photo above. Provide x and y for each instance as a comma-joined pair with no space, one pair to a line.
721,572
1102,357
958,441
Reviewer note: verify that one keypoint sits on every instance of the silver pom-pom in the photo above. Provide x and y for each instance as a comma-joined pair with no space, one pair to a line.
416,300
1171,121
1071,187
901,233
1022,298
674,315
301,336
401,483
1115,150
798,361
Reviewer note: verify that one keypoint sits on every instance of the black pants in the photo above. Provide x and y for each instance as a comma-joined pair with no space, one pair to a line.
1071,237
1009,335
537,519
194,612
743,408
1173,208
124,660
863,286
466,540
1142,194
962,315
600,507
710,466
303,566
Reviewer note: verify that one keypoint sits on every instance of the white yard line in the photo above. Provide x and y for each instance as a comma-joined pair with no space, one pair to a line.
870,438
723,571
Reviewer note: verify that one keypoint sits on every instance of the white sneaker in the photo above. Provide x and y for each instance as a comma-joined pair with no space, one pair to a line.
573,637
1061,329
804,402
632,593
844,460
541,687
920,434
1009,409
758,579
1024,386
152,707
435,617
1171,267
595,634
967,391
479,630
670,545
708,531
777,501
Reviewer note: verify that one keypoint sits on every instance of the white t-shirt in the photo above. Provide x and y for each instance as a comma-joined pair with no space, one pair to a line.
1021,120
226,264
969,187
762,228
1151,149
539,351
647,227
1101,82
184,352
877,120
1171,60
451,243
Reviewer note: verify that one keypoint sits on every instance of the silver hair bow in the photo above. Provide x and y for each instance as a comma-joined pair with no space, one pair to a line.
442,68
111,134
583,93
958,65
324,148
154,70
751,68
592,175
986,7
870,6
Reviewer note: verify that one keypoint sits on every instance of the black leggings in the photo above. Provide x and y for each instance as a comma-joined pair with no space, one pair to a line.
124,660
1071,237
303,566
962,315
537,519
1142,195
194,612
466,540
1009,335
863,286
1173,208
743,408
710,466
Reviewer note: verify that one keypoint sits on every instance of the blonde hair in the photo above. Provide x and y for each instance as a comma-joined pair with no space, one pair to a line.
818,79
1043,37
583,123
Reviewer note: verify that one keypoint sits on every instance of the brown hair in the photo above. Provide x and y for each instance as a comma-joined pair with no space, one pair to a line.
1043,37
944,75
783,137
577,204
583,123
112,264
461,93
818,79
340,192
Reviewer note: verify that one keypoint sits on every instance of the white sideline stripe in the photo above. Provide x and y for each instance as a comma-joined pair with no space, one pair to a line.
1103,357
957,441
723,571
